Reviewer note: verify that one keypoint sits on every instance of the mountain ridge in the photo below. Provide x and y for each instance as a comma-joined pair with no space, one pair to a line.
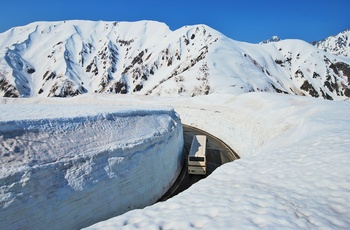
338,44
68,58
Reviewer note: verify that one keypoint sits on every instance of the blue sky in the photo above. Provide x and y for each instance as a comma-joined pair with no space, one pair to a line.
249,21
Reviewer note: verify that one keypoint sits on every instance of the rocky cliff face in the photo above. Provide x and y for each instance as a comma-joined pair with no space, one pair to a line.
64,59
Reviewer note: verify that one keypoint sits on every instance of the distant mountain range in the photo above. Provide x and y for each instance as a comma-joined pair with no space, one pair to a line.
68,58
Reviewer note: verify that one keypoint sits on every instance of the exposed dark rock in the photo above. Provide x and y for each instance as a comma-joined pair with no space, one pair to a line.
49,75
315,75
347,92
88,67
127,69
279,62
124,42
277,89
8,89
105,80
170,61
138,87
65,89
325,95
299,74
207,89
334,68
186,40
341,66
138,58
309,88
31,70
118,87
329,86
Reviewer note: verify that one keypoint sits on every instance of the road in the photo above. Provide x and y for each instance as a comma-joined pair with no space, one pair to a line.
218,153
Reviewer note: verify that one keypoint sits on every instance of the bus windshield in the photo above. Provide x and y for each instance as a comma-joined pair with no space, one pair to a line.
196,159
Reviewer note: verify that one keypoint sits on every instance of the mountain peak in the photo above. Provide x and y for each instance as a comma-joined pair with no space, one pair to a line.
272,39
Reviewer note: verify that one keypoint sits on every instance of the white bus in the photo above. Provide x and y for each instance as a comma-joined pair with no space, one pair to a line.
197,156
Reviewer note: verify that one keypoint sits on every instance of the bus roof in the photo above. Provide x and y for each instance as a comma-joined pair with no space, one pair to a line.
198,147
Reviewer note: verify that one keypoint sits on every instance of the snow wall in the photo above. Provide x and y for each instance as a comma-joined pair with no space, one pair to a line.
68,173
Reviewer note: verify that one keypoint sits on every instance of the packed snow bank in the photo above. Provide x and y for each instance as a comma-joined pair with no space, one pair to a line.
294,171
69,166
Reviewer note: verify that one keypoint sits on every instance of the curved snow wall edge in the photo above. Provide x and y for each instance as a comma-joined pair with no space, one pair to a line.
130,160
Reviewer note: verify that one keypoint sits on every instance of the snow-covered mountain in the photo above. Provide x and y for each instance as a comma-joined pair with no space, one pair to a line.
338,44
61,59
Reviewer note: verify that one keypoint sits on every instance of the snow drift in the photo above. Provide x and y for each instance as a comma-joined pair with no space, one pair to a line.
65,167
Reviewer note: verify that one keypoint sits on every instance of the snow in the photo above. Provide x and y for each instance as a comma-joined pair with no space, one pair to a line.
69,163
69,166
293,172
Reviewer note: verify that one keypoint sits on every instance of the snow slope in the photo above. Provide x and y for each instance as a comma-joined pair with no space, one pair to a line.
69,58
69,166
293,172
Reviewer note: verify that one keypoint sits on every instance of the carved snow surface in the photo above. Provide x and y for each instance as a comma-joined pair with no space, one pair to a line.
65,59
69,166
